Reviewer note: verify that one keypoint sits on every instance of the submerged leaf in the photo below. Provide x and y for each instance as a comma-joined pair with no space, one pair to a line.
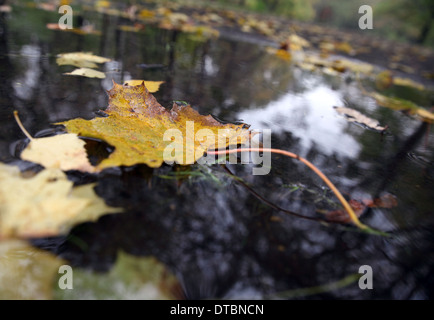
45,205
131,278
26,273
142,131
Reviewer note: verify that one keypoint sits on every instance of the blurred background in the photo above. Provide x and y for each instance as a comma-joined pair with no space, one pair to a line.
403,20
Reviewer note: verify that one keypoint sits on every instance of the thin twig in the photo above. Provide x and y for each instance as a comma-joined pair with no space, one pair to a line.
344,202
272,205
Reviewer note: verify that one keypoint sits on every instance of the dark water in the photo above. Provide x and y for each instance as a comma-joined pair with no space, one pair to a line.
215,235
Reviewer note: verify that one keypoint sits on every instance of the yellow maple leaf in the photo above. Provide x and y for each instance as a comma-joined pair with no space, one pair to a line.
143,131
45,205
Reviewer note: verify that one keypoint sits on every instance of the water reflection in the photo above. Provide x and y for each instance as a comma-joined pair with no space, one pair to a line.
310,118
218,238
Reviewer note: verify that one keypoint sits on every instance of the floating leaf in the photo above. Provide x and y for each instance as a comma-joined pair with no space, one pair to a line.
86,72
384,80
146,14
138,127
408,83
80,59
152,86
403,105
64,152
354,66
131,278
283,54
45,205
355,116
26,273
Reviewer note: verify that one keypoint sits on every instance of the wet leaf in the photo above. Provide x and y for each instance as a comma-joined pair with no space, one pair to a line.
64,152
283,54
45,204
80,59
297,43
354,66
384,80
137,126
355,116
152,86
131,278
403,105
86,72
146,14
408,83
26,273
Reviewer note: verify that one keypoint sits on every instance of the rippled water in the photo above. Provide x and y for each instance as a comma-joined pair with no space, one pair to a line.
218,238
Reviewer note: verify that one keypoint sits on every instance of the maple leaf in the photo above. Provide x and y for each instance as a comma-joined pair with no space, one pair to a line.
141,130
46,204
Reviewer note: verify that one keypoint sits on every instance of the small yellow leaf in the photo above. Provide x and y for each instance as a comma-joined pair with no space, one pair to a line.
344,47
146,14
283,54
408,83
64,152
86,72
152,86
102,4
80,59
384,80
297,43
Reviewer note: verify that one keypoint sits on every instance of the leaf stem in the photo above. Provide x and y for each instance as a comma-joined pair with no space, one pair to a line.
344,202
17,119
